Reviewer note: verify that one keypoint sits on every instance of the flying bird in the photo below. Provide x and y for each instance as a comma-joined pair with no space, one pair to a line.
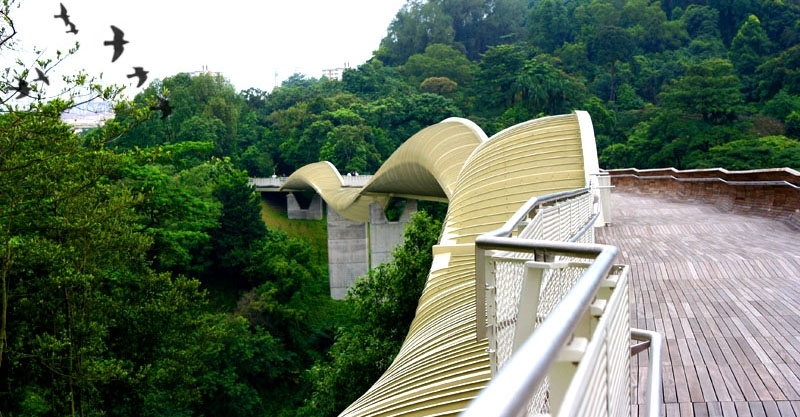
42,77
141,73
72,28
117,43
163,105
63,15
23,89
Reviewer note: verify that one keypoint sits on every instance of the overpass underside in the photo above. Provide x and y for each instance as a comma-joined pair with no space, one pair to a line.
441,367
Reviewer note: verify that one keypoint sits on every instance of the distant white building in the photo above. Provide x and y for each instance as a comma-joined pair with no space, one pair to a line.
205,71
335,73
82,122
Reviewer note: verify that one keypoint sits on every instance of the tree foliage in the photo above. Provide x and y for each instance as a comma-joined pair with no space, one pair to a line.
383,304
709,89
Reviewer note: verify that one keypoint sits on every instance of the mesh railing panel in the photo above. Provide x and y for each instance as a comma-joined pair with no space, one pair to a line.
558,221
555,285
507,292
608,382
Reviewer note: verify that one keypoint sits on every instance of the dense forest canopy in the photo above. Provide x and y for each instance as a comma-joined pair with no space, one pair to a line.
137,275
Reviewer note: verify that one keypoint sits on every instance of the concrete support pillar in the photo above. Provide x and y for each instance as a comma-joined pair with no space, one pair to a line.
295,212
348,258
384,235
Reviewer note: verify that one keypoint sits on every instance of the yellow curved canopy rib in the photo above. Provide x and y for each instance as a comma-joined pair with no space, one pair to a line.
325,180
428,163
425,167
441,367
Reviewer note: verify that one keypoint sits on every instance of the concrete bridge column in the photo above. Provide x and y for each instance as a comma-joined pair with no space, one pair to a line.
348,258
295,212
384,235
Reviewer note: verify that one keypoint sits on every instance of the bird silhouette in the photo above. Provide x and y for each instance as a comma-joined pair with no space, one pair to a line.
42,77
117,43
141,73
63,15
72,28
22,88
163,105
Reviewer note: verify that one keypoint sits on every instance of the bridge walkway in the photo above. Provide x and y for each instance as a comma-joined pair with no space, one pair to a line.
724,290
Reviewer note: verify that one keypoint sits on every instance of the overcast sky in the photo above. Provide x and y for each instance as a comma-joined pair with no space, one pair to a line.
248,41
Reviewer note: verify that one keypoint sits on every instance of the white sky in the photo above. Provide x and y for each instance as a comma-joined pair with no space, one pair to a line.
248,41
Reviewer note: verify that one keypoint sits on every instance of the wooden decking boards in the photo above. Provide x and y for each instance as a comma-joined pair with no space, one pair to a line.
724,290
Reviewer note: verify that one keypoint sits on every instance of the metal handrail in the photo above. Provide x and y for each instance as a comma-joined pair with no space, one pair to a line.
708,179
523,373
508,227
506,230
653,396
353,181
528,367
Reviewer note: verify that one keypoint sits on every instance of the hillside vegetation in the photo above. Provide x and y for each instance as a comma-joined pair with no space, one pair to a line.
677,83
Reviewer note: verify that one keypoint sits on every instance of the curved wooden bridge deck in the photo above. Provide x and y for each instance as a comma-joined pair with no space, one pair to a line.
724,290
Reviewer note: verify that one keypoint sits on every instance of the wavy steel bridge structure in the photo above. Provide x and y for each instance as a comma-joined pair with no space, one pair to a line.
710,257
441,366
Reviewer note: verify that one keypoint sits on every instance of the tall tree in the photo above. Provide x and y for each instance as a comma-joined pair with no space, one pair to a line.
732,13
497,74
781,72
700,21
709,89
745,154
549,25
505,23
781,20
439,61
747,50
607,46
547,89
241,230
418,24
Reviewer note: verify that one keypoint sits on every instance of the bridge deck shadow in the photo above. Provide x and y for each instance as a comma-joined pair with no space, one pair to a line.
724,290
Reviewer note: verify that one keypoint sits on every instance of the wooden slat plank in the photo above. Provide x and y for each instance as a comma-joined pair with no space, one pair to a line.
796,407
715,409
785,409
735,391
771,409
709,394
681,386
672,410
686,409
670,394
717,383
757,409
744,383
693,383
762,383
743,409
729,409
700,409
